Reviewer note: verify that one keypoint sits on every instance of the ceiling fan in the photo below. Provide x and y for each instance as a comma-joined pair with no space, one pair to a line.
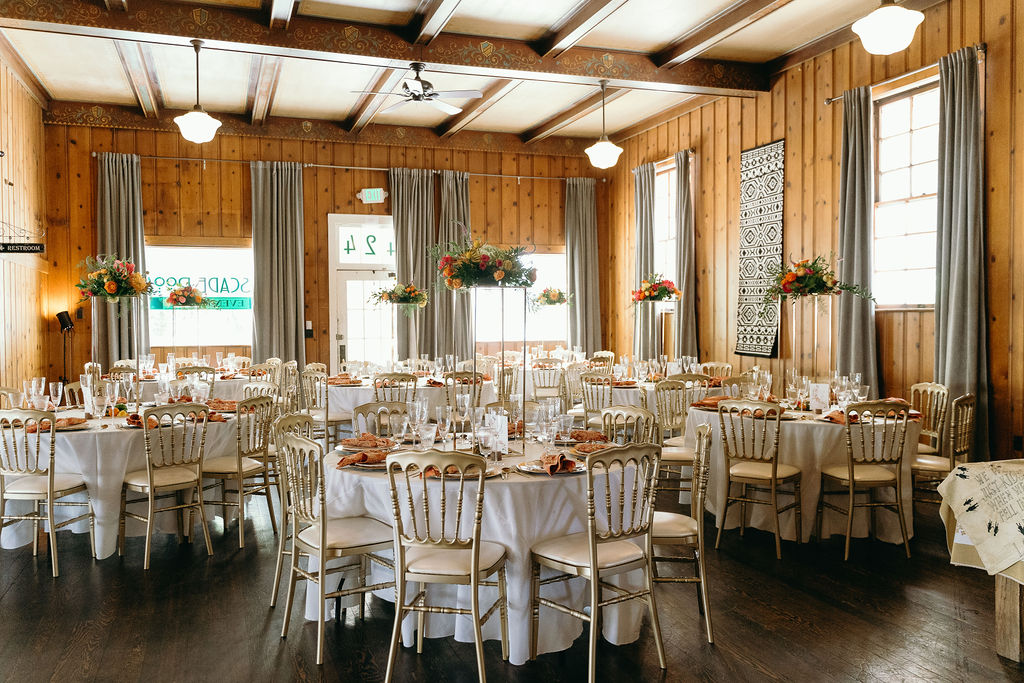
418,90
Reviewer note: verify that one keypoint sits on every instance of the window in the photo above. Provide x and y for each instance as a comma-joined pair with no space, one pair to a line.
548,323
906,179
665,247
223,274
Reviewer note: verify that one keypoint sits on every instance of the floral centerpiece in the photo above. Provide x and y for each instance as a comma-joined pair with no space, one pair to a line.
809,277
188,296
471,263
655,288
552,296
409,297
111,278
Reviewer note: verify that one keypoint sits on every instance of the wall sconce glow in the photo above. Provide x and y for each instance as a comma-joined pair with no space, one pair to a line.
604,153
197,126
888,29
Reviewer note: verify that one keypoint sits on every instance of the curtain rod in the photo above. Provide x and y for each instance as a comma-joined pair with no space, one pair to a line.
691,152
980,47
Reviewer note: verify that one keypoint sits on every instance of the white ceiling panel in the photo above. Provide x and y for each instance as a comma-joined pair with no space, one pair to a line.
531,103
624,112
518,19
74,68
224,82
651,25
419,114
389,12
319,90
790,27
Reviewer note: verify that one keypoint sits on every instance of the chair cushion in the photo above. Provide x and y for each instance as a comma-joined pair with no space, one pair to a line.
574,549
762,470
931,463
676,441
349,532
36,484
227,464
862,473
164,476
927,449
676,454
673,525
427,560
597,422
576,412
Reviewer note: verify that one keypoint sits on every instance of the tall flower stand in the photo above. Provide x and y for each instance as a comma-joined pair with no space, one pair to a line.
180,322
656,330
118,307
813,310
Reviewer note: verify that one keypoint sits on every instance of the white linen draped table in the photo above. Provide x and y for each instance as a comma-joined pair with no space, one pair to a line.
225,389
103,457
518,513
809,444
342,400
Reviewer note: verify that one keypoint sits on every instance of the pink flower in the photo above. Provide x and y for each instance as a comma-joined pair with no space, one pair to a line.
181,299
130,267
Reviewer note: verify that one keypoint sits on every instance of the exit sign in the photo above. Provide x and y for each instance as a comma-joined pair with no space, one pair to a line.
372,195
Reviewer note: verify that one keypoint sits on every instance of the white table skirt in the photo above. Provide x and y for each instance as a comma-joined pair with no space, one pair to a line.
342,400
224,389
103,456
810,445
518,513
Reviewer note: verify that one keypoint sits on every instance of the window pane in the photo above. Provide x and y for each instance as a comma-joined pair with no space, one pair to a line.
894,185
904,287
889,253
925,178
921,215
926,108
894,118
925,145
894,153
890,219
912,251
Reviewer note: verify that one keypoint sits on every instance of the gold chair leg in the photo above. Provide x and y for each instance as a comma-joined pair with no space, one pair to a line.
151,503
903,522
289,595
281,540
775,509
595,622
396,631
503,612
362,583
35,530
849,522
743,509
92,527
202,516
703,591
120,523
534,606
725,514
268,492
820,511
241,513
320,625
478,639
799,512
53,537
420,617
653,606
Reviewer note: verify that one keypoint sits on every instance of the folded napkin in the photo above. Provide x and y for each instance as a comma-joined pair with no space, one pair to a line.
585,435
228,375
370,457
710,402
434,383
715,382
624,383
557,462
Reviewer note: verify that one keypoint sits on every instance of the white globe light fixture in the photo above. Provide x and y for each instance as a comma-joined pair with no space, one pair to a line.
603,153
197,126
888,29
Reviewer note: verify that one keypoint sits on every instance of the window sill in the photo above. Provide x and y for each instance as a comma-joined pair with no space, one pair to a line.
897,308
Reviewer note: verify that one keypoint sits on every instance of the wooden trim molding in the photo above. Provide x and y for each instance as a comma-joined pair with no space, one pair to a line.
137,71
198,241
263,77
113,116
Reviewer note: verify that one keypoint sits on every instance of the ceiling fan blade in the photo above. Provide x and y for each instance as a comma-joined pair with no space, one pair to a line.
372,92
396,105
443,106
414,85
460,94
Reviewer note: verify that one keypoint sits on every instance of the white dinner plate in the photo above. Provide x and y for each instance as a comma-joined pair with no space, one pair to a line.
75,428
535,467
341,448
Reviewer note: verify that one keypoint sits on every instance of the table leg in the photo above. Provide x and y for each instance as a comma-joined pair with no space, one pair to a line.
1009,614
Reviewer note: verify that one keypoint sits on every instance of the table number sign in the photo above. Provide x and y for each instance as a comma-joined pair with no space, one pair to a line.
366,244
820,397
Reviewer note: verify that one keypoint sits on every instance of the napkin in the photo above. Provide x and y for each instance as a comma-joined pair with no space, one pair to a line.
370,457
557,462
710,402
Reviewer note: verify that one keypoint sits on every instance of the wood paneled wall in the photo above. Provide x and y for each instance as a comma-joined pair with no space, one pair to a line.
192,202
23,304
795,110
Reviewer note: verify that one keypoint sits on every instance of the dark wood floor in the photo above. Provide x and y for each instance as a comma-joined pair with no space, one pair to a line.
810,617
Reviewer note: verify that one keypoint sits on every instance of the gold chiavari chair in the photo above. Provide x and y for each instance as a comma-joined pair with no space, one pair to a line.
261,372
507,384
275,366
249,463
315,367
715,368
874,449
242,362
72,394
429,552
299,424
690,377
603,357
624,512
314,396
630,424
175,447
27,473
678,530
95,370
750,437
394,386
202,373
261,388
931,400
289,393
546,363
548,382
673,399
315,535
597,395
928,471
420,365
731,385
463,384
379,418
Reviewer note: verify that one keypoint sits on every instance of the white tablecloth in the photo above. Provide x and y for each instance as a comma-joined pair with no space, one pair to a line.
518,513
225,389
342,400
808,444
103,456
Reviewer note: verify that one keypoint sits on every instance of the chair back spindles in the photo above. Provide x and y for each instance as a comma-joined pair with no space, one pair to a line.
715,368
931,399
596,388
673,398
398,387
627,476
877,435
960,439
547,382
507,384
750,431
179,437
302,459
463,384
22,451
376,417
630,424
260,388
255,415
314,389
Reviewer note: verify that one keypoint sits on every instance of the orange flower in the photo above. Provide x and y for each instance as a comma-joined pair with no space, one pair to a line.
498,274
790,277
111,287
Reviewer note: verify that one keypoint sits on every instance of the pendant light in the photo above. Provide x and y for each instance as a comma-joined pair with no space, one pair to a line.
890,28
197,126
603,153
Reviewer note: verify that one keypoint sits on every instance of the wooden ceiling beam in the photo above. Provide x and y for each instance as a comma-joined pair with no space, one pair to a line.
492,94
581,22
562,119
428,25
716,29
662,117
139,72
370,103
23,72
264,74
338,41
281,13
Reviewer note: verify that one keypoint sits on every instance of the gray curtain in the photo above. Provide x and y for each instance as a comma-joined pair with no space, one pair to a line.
583,264
644,328
855,348
454,223
119,232
961,359
412,209
277,252
686,271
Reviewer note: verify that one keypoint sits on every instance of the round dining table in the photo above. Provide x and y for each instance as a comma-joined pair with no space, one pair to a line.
103,453
342,399
810,443
231,389
519,511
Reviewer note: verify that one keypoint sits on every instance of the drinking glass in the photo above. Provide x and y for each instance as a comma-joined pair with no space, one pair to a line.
427,433
565,425
17,399
449,362
477,416
766,384
220,359
170,362
862,391
413,413
856,377
444,423
485,441
161,398
56,390
40,402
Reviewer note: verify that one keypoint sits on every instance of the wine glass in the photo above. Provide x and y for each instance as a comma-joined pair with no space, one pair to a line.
485,441
444,423
56,390
449,362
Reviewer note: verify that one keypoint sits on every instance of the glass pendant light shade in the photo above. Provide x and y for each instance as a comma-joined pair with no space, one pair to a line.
197,126
888,29
604,153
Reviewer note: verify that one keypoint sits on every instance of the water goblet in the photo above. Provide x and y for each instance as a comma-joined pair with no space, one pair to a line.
862,391
427,433
485,441
56,391
40,402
